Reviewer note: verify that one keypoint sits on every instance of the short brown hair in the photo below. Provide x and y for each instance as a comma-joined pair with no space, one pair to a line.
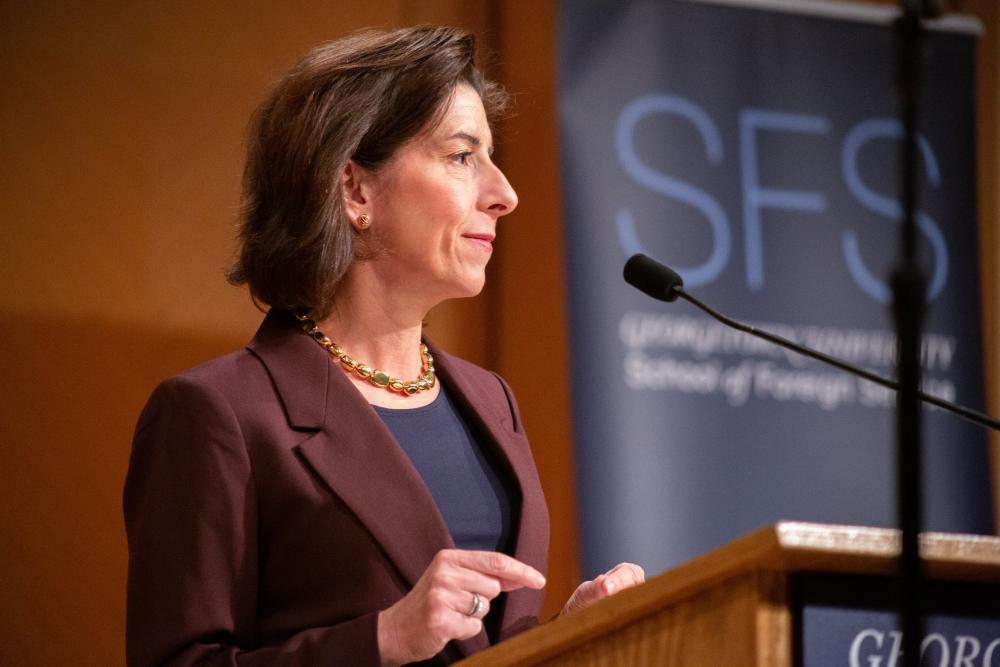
357,98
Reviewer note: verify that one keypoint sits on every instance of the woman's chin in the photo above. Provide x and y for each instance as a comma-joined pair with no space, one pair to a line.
468,287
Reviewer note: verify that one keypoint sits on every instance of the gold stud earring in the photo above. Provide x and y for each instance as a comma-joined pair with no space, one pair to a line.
364,221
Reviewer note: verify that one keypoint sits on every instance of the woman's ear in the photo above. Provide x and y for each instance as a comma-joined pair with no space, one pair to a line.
355,184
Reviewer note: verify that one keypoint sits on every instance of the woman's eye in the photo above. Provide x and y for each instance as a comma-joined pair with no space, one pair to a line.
462,158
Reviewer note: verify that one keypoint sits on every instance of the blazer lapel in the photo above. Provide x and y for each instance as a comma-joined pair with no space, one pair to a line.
352,451
494,422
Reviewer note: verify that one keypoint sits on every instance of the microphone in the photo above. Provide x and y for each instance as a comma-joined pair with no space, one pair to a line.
663,283
649,276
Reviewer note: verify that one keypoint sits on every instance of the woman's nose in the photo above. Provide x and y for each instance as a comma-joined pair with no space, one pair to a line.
500,196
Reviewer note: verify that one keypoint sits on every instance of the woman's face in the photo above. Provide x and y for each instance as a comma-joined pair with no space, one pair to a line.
434,206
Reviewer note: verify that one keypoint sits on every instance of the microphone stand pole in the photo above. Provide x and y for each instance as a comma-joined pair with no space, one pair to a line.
908,304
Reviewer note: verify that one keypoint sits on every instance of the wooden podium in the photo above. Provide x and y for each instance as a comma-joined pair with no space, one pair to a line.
737,605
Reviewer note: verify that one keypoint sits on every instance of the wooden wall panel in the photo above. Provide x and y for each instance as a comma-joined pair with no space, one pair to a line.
73,387
988,146
531,304
124,150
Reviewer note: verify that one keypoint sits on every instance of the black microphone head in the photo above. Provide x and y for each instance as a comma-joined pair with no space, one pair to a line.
653,278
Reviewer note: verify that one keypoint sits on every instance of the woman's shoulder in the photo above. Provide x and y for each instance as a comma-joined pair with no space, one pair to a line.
222,375
216,387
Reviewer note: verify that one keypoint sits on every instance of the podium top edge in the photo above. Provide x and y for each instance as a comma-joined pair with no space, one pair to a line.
884,543
775,552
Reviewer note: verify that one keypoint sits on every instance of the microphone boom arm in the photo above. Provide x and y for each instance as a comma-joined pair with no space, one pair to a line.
964,412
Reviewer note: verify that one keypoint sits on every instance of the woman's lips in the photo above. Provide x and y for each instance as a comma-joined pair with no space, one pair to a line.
484,241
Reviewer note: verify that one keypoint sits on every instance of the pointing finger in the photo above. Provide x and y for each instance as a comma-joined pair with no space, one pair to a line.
511,573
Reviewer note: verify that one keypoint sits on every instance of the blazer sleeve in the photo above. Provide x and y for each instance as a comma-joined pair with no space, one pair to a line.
191,520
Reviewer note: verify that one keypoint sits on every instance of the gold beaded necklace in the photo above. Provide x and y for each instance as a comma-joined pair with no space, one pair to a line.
377,377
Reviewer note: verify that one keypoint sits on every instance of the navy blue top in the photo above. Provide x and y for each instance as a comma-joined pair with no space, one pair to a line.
472,490
468,485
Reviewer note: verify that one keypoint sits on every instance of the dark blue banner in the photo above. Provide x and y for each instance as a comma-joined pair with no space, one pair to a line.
850,620
756,152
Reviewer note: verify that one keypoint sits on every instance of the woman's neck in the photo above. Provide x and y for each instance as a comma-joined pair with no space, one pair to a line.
374,328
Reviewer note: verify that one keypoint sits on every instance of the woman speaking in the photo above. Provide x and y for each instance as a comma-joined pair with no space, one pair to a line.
341,491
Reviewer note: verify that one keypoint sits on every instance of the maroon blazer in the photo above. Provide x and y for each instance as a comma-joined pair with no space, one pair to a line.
271,515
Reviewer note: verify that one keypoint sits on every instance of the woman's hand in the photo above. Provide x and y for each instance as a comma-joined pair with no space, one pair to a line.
618,578
439,607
